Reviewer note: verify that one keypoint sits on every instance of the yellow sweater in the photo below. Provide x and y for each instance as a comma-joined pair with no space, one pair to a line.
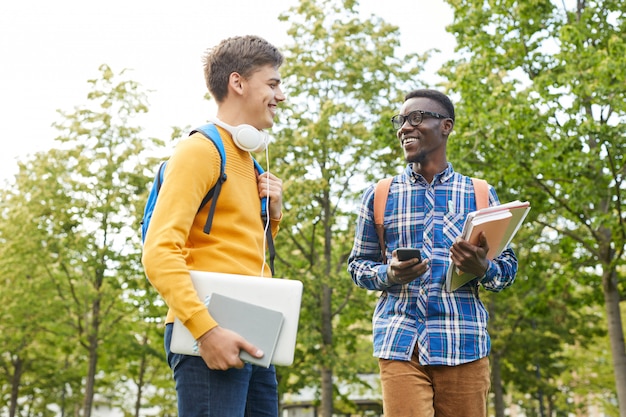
176,243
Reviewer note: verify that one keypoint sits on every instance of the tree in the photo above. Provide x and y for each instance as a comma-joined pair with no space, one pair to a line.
542,106
37,352
82,201
535,327
30,352
343,81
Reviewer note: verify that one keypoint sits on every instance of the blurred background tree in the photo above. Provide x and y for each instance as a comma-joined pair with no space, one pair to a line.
541,114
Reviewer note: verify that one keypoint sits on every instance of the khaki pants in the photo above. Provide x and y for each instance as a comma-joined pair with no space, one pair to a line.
412,390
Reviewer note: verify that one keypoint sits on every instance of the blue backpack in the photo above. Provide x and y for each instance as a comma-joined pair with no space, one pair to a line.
211,133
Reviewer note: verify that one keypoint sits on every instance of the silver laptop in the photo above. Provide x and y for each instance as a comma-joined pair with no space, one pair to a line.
284,295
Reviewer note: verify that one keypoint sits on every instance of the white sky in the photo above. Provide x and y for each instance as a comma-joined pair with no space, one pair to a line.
50,49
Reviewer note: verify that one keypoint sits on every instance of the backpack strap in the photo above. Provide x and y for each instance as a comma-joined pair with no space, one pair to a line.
481,191
381,193
151,201
268,231
210,132
160,175
260,170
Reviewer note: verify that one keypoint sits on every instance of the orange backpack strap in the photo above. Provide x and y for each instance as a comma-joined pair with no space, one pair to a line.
381,192
380,201
481,189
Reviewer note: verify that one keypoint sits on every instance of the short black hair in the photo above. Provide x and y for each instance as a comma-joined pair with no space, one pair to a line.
435,95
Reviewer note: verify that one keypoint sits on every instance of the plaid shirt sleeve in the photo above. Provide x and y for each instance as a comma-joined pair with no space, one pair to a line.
365,261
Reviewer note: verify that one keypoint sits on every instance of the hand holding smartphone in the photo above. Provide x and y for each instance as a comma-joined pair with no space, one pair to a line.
404,254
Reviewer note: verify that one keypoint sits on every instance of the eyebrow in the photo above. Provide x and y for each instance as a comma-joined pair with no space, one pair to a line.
276,80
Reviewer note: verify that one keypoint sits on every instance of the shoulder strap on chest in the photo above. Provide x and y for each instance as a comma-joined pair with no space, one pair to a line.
211,133
381,192
481,190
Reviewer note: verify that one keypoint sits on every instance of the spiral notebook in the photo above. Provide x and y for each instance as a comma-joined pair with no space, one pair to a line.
274,294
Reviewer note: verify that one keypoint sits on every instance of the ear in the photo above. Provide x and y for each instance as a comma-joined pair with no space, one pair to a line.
446,126
235,83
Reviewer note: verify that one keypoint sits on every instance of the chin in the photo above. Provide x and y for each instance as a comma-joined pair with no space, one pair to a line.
410,157
414,159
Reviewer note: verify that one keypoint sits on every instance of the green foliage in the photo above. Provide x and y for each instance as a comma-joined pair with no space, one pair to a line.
71,227
538,323
540,116
344,82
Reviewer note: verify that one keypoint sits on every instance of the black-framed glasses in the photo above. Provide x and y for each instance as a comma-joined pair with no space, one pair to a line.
414,118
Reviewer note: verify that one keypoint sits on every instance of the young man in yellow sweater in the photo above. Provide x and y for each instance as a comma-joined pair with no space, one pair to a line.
242,76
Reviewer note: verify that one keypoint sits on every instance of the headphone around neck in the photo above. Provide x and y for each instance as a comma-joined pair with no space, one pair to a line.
246,137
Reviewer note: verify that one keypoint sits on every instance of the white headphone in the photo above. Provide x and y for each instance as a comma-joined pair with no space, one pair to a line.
246,137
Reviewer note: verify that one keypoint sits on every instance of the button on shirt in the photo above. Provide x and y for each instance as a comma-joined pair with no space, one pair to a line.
447,328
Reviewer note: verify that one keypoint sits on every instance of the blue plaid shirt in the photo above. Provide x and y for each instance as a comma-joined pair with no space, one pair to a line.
447,328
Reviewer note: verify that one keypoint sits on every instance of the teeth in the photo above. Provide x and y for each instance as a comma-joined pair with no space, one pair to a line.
409,140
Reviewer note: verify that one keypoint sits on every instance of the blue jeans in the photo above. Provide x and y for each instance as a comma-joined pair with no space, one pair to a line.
202,392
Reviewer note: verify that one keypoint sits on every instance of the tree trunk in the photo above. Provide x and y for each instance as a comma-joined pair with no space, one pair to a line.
327,393
142,373
93,359
327,341
616,335
91,378
540,398
496,385
15,385
327,316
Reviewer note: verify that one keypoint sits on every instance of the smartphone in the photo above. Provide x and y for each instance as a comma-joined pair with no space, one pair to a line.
404,254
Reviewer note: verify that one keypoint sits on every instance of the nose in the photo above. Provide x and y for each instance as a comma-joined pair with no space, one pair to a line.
406,126
279,96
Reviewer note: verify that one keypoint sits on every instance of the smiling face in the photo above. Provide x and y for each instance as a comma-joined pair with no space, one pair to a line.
261,94
426,142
